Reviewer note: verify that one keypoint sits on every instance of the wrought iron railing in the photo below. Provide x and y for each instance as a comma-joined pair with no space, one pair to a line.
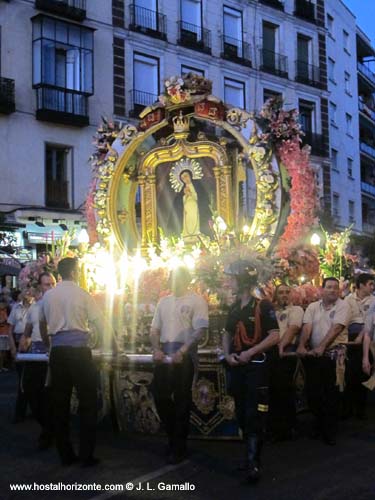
305,9
316,142
235,50
141,100
194,37
75,9
272,62
57,194
7,96
308,73
276,4
148,21
61,100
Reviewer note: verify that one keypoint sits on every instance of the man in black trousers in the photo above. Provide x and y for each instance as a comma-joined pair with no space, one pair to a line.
179,322
67,311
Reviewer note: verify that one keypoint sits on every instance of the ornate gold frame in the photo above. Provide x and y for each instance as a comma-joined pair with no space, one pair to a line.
173,152
173,148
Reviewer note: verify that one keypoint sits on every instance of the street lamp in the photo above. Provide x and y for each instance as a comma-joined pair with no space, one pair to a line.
315,240
83,237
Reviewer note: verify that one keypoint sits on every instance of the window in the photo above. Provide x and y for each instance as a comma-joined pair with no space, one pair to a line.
333,114
190,69
304,67
145,81
330,25
336,205
351,207
331,70
350,167
234,93
191,16
349,124
334,155
268,94
306,117
57,176
345,40
348,89
62,55
232,20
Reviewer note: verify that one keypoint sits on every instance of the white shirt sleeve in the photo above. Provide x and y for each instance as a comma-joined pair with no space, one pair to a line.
296,316
156,320
200,314
342,315
309,313
12,320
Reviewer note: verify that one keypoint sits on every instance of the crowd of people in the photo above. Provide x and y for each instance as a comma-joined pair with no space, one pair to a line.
264,344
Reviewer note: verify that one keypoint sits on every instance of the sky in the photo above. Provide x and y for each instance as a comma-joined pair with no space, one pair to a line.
364,10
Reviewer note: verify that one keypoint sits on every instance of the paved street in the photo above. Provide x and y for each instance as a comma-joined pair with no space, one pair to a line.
300,470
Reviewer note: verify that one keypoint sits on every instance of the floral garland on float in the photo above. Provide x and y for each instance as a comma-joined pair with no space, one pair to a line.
293,260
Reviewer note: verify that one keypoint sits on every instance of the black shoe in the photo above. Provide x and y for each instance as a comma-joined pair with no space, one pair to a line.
66,462
90,462
253,473
329,440
44,442
176,458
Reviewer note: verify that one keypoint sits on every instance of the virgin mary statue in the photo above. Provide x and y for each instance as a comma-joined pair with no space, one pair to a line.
191,224
182,177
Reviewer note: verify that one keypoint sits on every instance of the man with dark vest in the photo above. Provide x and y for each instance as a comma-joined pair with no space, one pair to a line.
251,330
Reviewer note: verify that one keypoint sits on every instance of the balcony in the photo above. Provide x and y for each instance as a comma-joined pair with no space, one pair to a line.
368,188
368,228
140,100
57,194
73,9
308,74
60,105
366,73
366,148
194,37
366,110
316,142
271,62
7,98
148,22
235,50
305,10
276,4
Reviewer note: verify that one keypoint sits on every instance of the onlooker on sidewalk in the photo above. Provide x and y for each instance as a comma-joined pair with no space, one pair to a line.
4,336
35,373
17,321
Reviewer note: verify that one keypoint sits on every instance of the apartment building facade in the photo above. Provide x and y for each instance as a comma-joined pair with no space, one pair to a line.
56,83
366,106
68,63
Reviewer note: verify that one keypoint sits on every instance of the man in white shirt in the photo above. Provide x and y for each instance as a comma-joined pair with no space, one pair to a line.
17,321
325,328
179,322
67,311
282,393
360,303
35,373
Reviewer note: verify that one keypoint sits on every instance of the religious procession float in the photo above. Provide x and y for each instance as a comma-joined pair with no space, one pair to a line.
198,183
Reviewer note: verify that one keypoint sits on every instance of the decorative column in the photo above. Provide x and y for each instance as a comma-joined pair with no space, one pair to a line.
226,194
